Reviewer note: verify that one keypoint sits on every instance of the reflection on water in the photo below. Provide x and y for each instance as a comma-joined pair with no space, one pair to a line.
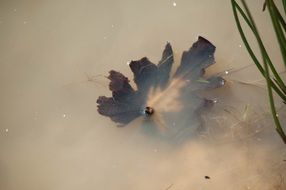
51,136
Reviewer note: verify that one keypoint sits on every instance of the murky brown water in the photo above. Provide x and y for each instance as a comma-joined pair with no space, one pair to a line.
51,136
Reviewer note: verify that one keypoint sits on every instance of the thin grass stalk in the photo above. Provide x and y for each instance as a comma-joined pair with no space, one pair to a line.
266,61
278,127
252,55
280,17
252,26
278,80
266,69
277,28
284,5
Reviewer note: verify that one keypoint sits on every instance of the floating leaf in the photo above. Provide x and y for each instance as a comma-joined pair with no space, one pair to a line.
157,90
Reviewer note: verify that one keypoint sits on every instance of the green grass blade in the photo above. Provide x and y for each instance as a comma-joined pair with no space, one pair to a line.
280,18
278,126
266,61
251,53
278,80
284,5
277,28
248,19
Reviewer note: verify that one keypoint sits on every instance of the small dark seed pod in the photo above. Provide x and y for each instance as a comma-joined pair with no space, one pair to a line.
148,111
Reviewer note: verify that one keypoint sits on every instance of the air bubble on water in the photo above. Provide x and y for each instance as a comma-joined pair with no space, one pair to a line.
25,22
104,37
6,130
226,72
112,26
64,115
15,10
239,45
174,4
